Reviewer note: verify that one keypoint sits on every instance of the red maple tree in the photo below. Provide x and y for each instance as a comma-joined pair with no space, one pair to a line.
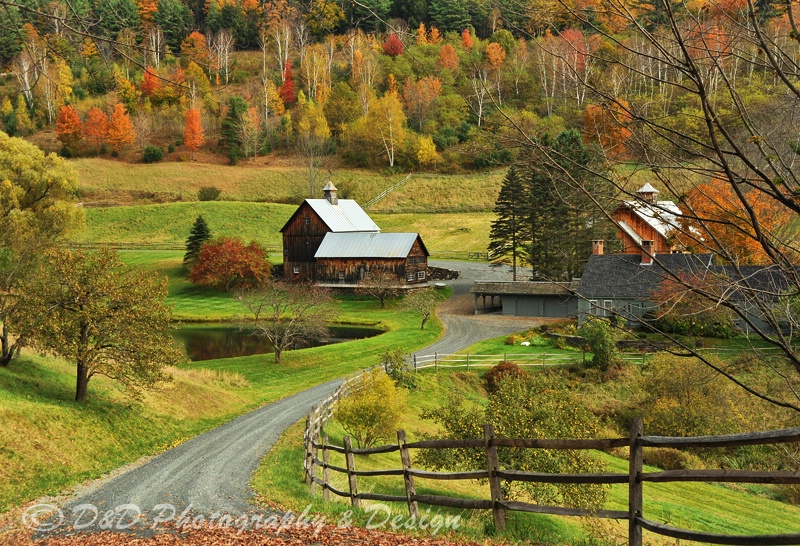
286,90
228,263
150,82
95,126
466,40
193,134
68,127
120,127
393,46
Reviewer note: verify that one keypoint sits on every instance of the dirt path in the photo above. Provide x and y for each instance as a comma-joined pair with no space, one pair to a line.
210,474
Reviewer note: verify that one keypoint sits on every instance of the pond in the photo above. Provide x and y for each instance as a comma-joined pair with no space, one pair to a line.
220,340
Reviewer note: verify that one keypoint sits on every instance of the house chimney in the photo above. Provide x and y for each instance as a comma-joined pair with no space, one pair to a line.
329,192
648,251
597,247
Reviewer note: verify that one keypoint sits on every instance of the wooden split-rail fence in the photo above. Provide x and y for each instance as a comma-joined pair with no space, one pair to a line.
472,361
317,445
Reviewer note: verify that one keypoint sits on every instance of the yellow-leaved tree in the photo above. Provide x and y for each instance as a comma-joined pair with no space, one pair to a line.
372,410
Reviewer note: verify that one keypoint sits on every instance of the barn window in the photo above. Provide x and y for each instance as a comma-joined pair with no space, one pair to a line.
410,277
421,275
296,270
341,277
306,220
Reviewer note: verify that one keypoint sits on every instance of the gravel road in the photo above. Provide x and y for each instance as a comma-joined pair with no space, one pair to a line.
210,474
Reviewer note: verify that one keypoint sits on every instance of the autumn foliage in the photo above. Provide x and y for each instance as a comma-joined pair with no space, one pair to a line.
95,126
120,127
466,40
193,134
150,82
228,263
448,58
68,126
393,46
608,125
718,221
287,91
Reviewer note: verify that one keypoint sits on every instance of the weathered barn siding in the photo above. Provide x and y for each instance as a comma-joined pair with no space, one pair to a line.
301,239
353,270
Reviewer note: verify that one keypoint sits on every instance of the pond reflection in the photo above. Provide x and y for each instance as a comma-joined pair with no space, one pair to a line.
212,341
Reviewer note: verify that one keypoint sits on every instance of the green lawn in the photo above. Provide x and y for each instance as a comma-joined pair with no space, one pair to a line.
276,181
49,442
445,235
702,507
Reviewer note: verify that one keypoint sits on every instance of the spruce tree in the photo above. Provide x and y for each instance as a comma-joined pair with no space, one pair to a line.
509,228
197,237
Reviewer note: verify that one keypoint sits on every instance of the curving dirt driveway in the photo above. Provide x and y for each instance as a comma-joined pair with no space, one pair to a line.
210,475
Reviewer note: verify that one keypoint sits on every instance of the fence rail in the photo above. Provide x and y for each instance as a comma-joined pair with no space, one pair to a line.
635,477
469,361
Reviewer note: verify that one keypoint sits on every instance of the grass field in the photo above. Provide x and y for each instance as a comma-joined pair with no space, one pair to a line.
50,442
444,234
702,507
277,181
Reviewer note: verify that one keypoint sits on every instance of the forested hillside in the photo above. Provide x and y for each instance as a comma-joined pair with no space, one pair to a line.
438,85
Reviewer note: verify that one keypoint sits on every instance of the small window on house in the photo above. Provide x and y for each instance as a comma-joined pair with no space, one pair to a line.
592,307
306,220
607,305
421,275
285,251
410,277
296,270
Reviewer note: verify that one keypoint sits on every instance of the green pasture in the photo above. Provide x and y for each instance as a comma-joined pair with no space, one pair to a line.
701,507
445,235
277,180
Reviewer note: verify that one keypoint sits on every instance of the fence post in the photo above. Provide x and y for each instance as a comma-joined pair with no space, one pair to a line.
351,478
326,472
415,363
405,459
435,362
544,359
313,467
467,361
307,439
492,464
635,485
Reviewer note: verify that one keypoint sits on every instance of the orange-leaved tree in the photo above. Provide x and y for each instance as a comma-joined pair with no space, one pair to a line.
607,124
448,58
193,134
228,263
95,126
150,82
68,127
120,127
741,228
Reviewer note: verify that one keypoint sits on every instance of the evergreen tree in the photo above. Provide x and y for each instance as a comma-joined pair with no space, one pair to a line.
197,237
508,230
563,215
175,19
231,136
448,15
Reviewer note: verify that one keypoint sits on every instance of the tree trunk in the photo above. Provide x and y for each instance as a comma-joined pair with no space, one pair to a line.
424,320
278,352
82,383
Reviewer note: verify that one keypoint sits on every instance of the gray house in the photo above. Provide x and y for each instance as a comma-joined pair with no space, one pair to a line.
622,284
526,298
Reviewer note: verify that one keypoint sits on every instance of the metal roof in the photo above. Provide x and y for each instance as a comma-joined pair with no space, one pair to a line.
647,188
662,216
366,245
345,216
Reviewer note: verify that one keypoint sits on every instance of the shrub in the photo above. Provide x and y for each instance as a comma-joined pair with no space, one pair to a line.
170,148
501,372
228,263
396,366
601,337
670,459
152,153
208,193
372,410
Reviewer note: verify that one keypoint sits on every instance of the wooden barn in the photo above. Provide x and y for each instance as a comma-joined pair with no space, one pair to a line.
333,241
347,258
646,222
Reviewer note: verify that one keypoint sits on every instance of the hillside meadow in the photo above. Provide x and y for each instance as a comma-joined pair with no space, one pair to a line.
51,442
445,234
281,180
703,507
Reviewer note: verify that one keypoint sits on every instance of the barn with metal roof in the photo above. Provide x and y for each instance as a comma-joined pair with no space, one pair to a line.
334,241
